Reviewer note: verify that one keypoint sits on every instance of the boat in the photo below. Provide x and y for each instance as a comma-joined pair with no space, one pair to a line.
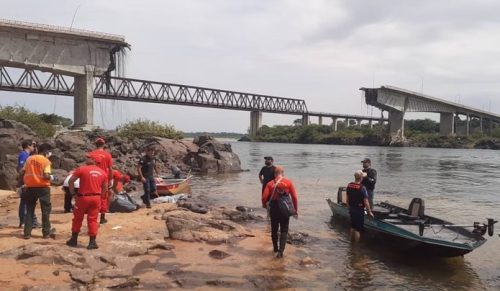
411,230
166,185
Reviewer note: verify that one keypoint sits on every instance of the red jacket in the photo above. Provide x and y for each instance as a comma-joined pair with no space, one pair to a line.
284,184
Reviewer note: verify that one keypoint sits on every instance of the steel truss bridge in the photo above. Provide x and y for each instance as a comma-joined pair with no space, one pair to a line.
117,88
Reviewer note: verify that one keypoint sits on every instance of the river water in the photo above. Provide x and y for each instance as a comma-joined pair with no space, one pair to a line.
457,185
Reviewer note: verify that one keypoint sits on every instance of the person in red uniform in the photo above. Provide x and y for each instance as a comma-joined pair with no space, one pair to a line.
93,186
119,181
280,222
106,164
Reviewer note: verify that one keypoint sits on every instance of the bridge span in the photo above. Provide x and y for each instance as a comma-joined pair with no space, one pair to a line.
398,101
72,62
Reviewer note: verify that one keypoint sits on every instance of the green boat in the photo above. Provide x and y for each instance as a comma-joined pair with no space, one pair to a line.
412,231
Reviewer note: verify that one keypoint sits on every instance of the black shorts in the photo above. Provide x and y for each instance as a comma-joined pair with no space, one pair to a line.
357,219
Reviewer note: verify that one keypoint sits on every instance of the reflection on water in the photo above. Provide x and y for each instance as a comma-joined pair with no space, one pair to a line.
457,185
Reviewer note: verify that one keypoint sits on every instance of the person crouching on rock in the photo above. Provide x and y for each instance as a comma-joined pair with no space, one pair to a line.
93,186
279,221
119,182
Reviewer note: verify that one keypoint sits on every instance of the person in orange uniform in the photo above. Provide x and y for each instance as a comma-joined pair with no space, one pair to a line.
119,180
93,186
36,175
280,222
106,164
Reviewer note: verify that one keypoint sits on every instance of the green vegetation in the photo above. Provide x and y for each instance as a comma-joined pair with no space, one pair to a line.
323,134
41,124
146,128
234,135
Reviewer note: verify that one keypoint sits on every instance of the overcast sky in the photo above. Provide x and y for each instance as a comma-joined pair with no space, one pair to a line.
319,51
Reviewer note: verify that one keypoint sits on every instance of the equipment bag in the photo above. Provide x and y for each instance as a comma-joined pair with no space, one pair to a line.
285,203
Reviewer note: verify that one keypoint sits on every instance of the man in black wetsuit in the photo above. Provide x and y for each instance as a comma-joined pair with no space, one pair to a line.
370,179
266,174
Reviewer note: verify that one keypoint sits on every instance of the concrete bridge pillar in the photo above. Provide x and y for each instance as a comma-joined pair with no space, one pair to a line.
481,124
334,123
358,122
320,120
370,123
467,125
305,119
84,99
446,123
396,123
255,122
346,122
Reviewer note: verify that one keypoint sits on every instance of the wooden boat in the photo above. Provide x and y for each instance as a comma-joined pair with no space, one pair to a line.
413,231
170,186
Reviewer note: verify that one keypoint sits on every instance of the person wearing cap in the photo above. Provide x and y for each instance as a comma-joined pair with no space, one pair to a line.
29,148
370,179
119,181
106,164
279,222
146,168
357,201
93,187
266,174
36,175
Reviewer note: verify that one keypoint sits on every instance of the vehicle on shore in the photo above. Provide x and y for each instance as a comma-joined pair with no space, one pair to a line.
412,231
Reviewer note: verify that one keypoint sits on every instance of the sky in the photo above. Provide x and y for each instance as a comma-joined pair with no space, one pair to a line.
321,51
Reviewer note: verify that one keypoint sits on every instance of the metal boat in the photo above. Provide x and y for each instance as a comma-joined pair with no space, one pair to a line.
411,230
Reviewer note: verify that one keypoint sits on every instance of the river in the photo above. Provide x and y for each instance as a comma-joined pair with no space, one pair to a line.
457,185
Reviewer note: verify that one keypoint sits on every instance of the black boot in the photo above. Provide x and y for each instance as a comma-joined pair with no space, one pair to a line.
103,219
73,241
283,238
92,244
275,243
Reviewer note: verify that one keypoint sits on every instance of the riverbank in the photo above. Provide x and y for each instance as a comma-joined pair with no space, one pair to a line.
135,250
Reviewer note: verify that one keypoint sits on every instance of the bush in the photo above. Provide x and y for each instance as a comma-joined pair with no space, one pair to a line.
146,128
30,119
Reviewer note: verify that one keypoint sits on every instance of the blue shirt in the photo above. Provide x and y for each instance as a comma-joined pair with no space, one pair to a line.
21,159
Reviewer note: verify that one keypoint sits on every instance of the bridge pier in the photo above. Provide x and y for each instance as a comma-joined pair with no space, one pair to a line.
467,125
396,123
346,122
358,121
255,122
84,100
305,119
334,124
446,123
370,123
320,120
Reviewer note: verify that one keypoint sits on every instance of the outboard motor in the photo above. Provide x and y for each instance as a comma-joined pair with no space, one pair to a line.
491,225
175,171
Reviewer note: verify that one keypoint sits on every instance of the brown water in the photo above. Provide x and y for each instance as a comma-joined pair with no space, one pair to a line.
457,185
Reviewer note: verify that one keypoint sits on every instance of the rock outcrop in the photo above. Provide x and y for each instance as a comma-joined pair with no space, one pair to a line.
205,154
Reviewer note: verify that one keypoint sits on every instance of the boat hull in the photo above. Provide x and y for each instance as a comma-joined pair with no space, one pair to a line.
408,241
172,186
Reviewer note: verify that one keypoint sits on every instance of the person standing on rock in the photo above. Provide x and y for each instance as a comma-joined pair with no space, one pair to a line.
106,164
29,147
93,188
37,176
279,221
266,174
369,179
146,168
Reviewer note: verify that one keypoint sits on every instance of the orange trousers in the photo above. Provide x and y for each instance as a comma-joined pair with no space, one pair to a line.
89,205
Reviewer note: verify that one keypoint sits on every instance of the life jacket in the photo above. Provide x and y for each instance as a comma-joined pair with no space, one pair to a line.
355,195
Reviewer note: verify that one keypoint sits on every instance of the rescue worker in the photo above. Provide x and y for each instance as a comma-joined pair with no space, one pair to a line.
278,220
357,201
119,181
36,175
106,164
93,186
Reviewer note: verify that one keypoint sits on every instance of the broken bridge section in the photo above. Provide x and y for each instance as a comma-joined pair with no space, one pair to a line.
397,102
64,51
